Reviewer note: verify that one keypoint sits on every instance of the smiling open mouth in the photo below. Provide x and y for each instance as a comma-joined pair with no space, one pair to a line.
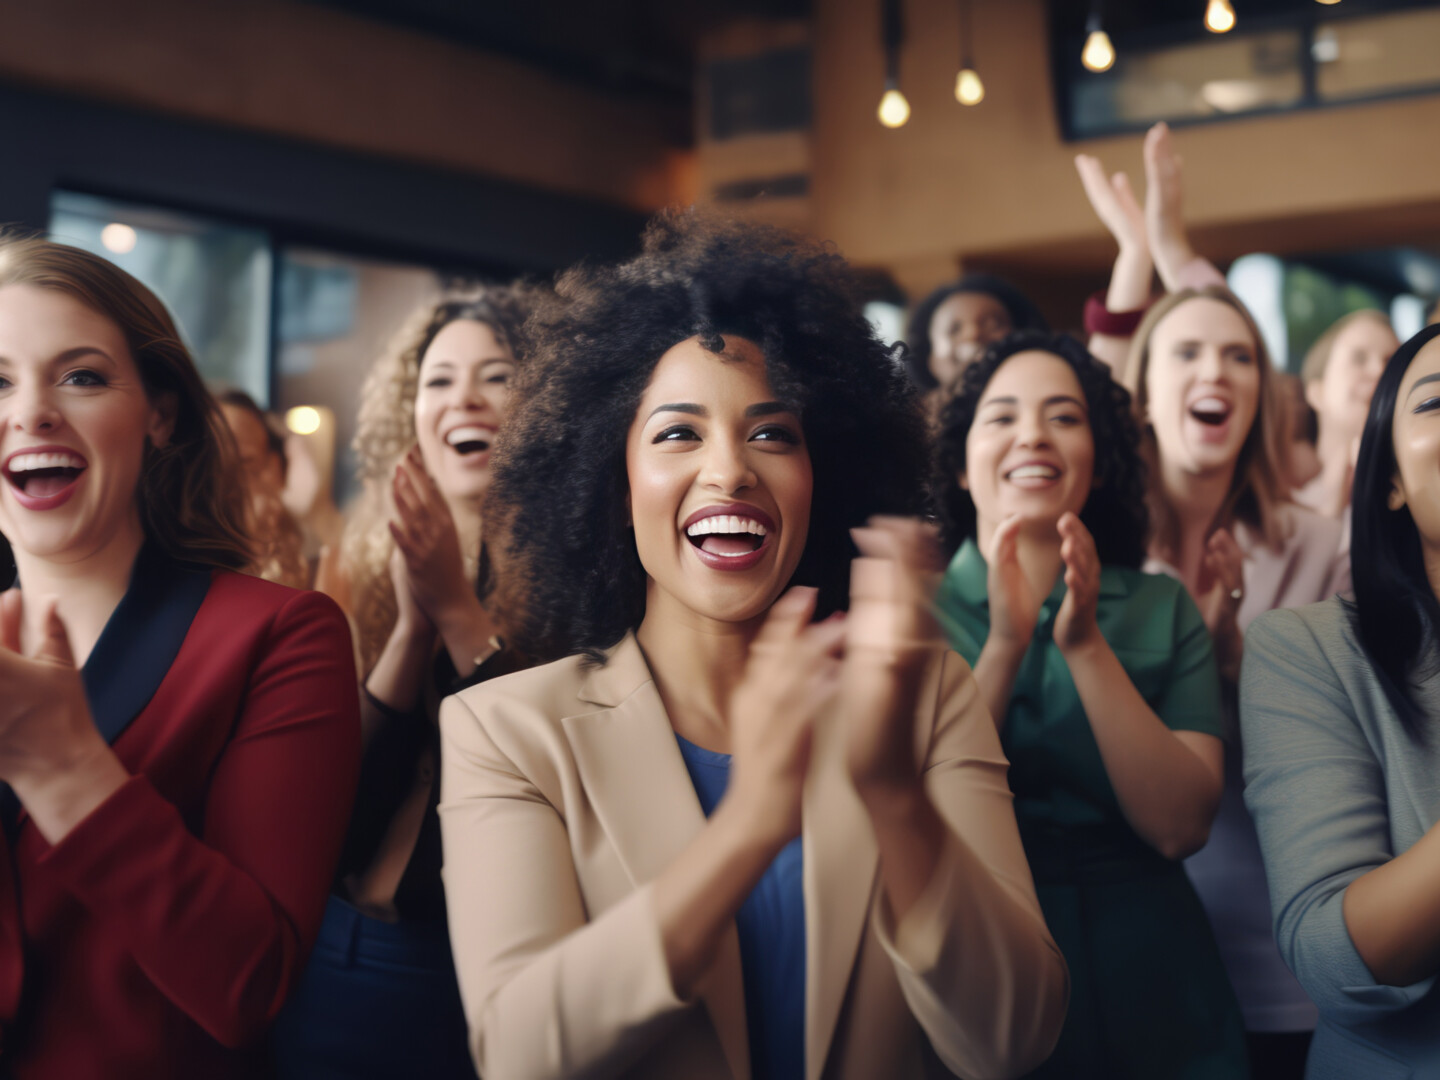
728,536
1210,410
1033,472
470,440
44,475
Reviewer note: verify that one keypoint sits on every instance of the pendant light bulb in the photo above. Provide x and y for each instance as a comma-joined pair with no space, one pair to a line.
894,109
969,90
1098,54
1219,16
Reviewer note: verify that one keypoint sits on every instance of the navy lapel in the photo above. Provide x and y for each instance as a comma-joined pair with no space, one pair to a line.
141,639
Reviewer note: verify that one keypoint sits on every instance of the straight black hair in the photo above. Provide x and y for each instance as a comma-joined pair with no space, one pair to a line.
1395,612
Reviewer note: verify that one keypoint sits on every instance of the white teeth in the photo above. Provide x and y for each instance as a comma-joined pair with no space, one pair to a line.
1034,472
1211,405
724,523
470,434
30,462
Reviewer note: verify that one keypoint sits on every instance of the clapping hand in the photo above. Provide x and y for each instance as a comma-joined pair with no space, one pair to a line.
427,540
790,677
892,633
1114,203
1164,207
1014,605
1075,625
51,753
1224,567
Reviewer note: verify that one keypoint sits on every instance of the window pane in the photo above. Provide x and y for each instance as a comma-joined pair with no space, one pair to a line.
1383,54
213,276
1230,75
337,314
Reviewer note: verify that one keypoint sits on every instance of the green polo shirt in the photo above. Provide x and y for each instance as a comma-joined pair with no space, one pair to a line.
1157,633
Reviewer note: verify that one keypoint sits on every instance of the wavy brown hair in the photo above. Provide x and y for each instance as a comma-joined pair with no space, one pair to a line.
386,430
192,503
1258,487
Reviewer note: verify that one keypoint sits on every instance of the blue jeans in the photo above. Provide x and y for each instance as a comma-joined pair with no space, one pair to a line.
378,1000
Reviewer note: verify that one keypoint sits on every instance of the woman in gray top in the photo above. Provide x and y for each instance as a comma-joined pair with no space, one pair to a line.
1340,712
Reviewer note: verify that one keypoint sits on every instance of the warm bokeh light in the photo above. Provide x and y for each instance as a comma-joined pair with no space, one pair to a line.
969,90
303,419
1328,1
1219,16
1098,54
894,109
118,238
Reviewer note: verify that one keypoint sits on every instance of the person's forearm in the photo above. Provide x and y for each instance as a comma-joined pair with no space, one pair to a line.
1168,794
398,678
995,673
910,835
697,896
466,630
1393,914
1130,280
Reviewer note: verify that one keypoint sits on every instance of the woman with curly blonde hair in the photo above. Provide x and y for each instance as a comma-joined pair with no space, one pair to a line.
379,998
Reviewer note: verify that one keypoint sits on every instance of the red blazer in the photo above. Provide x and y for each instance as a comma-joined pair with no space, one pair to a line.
160,937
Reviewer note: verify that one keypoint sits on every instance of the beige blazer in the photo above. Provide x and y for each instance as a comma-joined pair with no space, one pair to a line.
563,795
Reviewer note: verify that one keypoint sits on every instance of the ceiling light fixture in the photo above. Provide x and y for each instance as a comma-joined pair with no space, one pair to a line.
894,110
1219,16
969,89
1098,54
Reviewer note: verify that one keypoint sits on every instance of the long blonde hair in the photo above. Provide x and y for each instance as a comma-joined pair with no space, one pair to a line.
192,503
1258,486
386,430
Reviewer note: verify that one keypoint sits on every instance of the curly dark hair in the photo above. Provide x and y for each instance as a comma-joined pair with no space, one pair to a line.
560,567
1024,315
1115,513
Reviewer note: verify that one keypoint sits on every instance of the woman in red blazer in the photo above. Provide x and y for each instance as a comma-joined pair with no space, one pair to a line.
178,742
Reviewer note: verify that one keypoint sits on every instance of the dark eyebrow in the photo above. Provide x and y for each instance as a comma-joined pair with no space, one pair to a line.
1000,401
680,407
82,350
1056,399
768,408
1422,381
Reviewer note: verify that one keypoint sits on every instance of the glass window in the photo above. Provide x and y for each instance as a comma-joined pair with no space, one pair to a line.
1375,55
215,277
338,313
1240,73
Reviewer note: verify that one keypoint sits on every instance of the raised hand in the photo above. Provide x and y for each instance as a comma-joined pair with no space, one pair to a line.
892,633
791,676
1075,625
427,539
1114,202
1164,207
1014,605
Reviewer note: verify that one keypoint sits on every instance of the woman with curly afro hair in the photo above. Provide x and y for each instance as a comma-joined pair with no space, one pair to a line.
719,837
379,998
1102,681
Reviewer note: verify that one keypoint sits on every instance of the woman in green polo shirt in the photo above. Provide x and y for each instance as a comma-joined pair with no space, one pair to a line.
1103,683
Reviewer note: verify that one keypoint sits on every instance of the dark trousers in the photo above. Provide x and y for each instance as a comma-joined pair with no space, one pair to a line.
1278,1055
378,1000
